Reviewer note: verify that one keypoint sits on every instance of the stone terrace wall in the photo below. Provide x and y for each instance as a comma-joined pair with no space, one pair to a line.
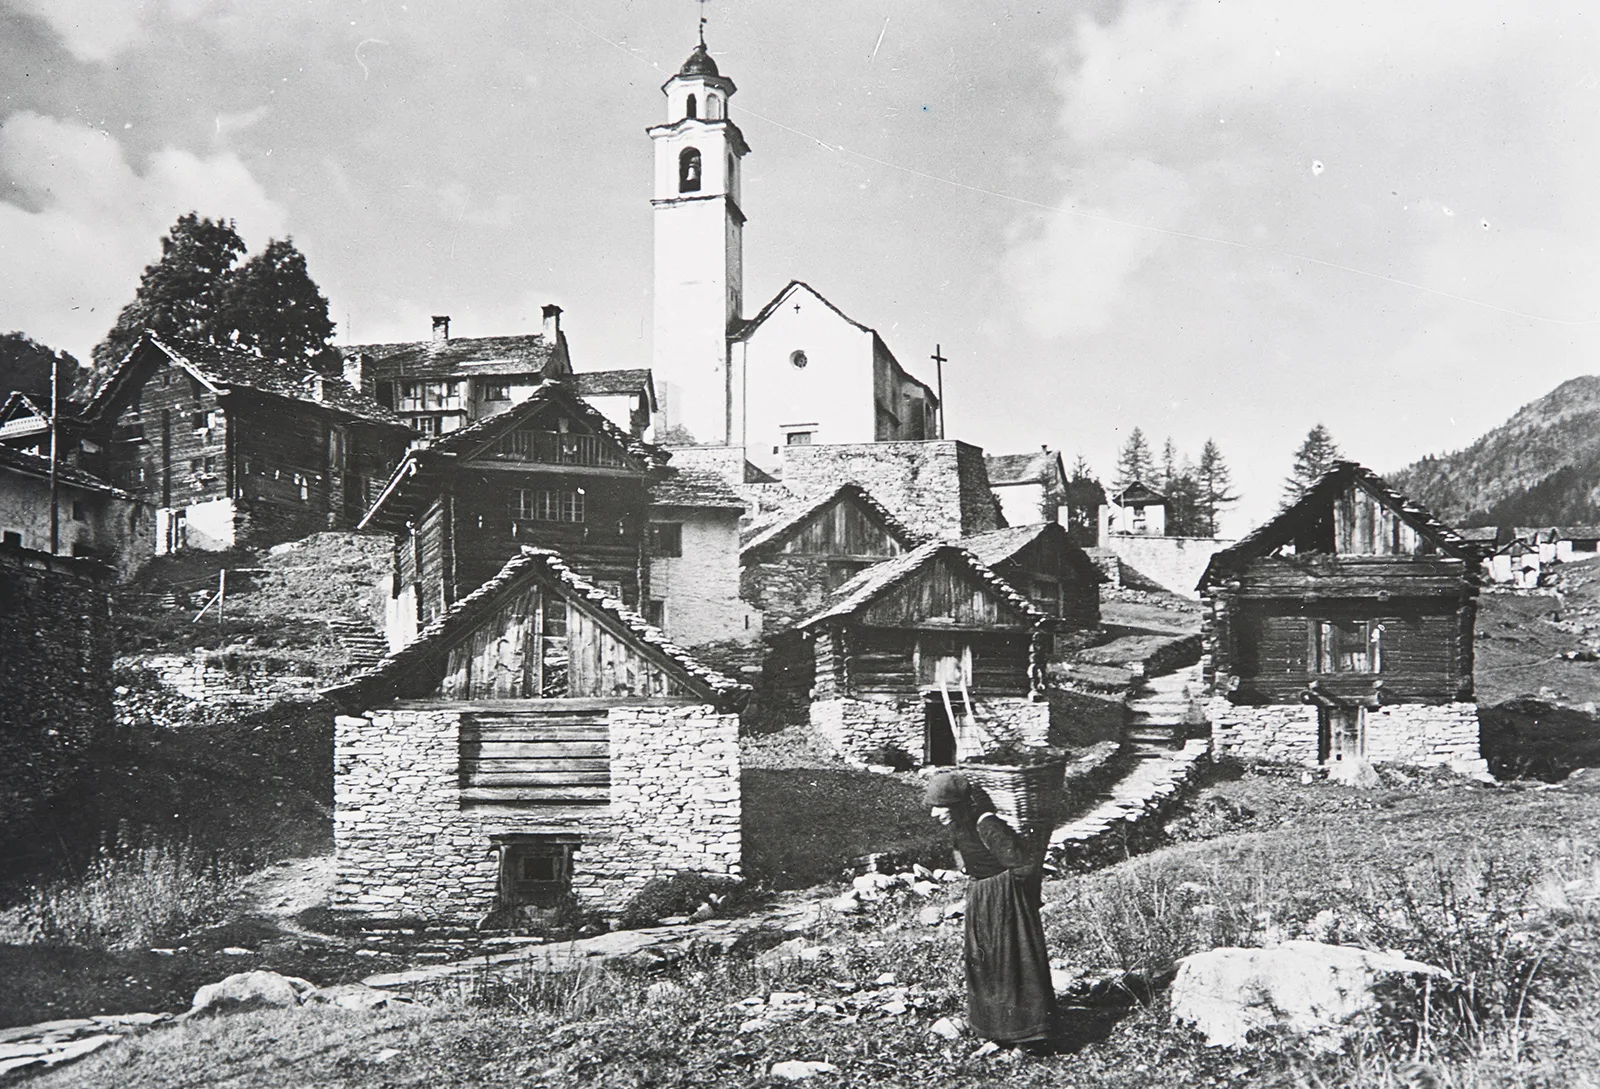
1419,735
55,672
938,488
407,849
854,728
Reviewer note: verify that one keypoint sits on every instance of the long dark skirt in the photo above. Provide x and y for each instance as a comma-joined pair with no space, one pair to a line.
1009,994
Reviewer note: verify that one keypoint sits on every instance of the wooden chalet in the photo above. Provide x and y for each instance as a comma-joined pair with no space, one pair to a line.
1055,574
536,741
229,448
1342,631
550,471
930,653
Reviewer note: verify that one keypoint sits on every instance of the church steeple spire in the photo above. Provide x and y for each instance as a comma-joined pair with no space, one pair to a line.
699,290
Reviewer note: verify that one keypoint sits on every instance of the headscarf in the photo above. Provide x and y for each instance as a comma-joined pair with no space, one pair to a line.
951,788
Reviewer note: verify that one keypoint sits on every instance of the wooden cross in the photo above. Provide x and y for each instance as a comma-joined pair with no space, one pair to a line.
939,361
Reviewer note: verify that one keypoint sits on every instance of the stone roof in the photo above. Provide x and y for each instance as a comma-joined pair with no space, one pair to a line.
1577,533
777,525
230,369
694,488
1138,492
1038,466
600,383
878,579
1274,534
524,354
32,465
380,683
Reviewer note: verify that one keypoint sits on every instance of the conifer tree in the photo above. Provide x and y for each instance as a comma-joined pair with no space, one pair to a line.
1314,458
1085,496
1134,462
1214,481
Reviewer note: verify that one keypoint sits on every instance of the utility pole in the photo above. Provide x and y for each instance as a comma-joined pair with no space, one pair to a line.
55,453
939,361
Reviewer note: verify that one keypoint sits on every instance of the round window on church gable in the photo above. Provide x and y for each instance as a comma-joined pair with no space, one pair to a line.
798,359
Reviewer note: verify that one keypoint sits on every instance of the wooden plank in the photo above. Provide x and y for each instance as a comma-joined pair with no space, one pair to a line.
590,795
510,764
477,777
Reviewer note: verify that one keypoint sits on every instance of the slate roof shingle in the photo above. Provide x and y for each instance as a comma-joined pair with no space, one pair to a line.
774,527
694,488
527,353
1040,466
881,577
38,467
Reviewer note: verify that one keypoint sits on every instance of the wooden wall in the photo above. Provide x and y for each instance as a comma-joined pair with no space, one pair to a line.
842,530
1047,562
946,592
898,662
540,757
155,443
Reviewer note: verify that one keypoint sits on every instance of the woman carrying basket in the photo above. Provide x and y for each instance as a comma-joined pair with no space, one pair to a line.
1010,998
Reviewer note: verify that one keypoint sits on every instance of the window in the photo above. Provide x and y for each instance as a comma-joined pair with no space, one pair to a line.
798,438
798,360
666,538
11,538
690,109
713,108
536,869
1347,646
689,171
655,612
426,425
80,511
200,420
497,391
547,505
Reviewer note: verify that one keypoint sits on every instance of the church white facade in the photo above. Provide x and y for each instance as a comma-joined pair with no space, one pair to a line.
800,372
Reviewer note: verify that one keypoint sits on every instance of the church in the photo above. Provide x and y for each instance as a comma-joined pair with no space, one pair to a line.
799,371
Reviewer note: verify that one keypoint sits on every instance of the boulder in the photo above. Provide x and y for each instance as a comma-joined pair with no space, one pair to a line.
799,1069
352,996
1322,992
249,991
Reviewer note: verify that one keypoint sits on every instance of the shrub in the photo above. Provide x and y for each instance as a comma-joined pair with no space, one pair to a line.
680,894
127,898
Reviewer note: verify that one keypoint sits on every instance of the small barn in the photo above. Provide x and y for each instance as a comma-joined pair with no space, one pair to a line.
930,655
1041,561
1341,632
538,741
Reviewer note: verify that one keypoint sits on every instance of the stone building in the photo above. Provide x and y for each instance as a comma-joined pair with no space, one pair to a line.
56,650
937,488
1029,487
93,519
550,471
1137,510
1341,632
537,742
694,561
929,656
226,448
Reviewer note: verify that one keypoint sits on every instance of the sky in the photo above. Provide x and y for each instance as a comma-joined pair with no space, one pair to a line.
1228,219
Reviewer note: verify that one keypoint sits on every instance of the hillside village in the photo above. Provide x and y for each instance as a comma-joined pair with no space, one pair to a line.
495,648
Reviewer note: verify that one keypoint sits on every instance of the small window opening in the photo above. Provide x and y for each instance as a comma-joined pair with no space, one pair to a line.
666,538
536,870
689,171
691,110
798,438
798,360
655,612
713,108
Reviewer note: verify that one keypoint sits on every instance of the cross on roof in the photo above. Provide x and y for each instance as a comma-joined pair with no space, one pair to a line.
702,4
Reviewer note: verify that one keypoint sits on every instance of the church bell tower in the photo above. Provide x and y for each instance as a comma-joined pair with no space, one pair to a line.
699,251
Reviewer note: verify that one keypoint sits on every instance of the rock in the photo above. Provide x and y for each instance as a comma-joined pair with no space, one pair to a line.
352,996
702,913
249,990
946,1028
782,1000
947,876
755,1024
664,993
792,949
924,889
887,979
988,1047
1355,773
236,951
1308,988
847,904
799,1070
873,885
957,908
932,915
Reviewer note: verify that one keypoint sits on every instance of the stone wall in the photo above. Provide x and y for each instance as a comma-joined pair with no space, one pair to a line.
938,488
1173,563
1414,734
55,672
221,684
857,728
700,587
785,589
406,848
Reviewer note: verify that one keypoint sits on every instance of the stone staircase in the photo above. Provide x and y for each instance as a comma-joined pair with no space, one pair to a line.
365,647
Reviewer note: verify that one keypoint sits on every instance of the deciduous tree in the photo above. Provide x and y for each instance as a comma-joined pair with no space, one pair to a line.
25,366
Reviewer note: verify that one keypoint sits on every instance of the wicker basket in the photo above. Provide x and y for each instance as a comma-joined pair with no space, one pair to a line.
1029,797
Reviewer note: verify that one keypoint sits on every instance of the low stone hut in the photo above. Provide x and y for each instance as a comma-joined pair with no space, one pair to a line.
538,741
930,654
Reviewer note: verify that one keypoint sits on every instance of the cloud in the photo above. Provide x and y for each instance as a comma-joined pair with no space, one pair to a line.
88,222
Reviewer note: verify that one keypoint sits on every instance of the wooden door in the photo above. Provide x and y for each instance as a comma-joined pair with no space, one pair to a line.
939,733
1343,734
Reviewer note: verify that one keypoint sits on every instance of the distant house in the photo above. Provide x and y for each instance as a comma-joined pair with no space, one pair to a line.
1030,488
694,560
1040,561
444,383
1342,631
930,655
803,373
538,743
1137,510
551,471
1574,543
93,519
228,448
25,424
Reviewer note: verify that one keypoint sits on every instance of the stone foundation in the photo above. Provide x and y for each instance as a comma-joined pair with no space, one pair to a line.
1414,734
857,728
407,848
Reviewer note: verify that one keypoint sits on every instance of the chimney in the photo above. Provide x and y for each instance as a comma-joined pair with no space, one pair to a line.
319,392
355,371
552,324
441,328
